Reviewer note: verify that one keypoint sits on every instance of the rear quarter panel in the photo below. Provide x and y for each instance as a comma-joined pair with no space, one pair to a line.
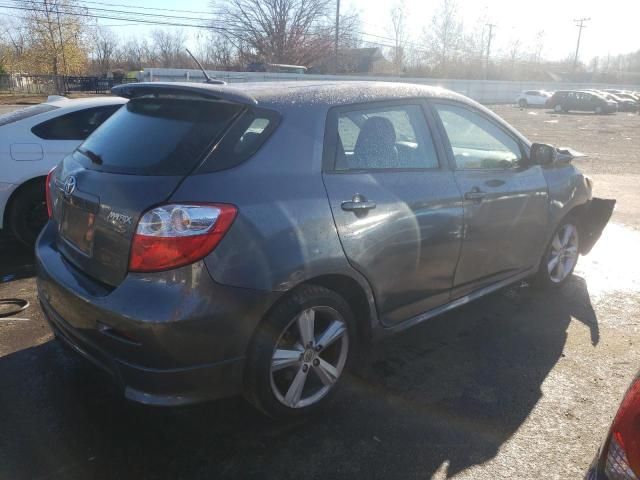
284,233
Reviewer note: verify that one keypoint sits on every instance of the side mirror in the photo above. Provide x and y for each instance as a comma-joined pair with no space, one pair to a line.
542,154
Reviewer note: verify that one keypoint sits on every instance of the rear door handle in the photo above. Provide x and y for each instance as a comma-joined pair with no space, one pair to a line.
357,204
475,194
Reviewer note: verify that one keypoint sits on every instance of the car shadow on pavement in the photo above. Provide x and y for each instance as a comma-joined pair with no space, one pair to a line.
16,260
442,396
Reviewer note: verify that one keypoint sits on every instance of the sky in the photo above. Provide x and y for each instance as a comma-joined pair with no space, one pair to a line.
614,26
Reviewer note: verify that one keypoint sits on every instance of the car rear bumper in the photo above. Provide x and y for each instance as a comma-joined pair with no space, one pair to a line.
152,386
169,338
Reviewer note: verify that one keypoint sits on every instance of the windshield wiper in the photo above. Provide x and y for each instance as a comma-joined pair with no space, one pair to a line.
94,157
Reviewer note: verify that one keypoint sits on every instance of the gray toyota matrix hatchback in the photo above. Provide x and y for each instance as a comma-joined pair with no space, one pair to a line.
210,240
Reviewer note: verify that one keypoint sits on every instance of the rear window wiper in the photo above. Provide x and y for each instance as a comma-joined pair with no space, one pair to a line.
94,157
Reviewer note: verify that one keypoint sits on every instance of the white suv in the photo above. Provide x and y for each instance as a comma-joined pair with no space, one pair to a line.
535,98
32,141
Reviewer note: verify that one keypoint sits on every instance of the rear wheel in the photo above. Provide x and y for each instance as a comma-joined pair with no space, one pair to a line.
558,108
561,256
299,353
28,213
522,103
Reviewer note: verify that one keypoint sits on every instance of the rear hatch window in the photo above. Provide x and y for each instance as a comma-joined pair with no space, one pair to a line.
157,136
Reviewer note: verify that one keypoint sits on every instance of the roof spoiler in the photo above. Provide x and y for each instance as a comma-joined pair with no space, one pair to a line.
55,98
218,92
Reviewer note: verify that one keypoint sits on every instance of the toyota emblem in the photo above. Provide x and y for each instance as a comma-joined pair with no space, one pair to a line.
69,185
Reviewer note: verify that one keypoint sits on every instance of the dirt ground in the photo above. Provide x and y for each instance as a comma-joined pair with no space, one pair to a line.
521,384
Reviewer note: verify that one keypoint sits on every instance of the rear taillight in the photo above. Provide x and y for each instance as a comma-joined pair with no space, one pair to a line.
170,236
623,456
47,190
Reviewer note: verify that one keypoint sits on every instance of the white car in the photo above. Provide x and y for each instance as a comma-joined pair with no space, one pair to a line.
535,98
32,141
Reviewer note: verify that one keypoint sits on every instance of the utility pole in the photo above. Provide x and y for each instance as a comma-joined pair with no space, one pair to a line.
335,68
486,67
580,24
62,88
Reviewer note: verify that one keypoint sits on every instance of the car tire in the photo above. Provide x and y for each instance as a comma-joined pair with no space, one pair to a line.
558,108
560,257
28,213
284,377
522,103
598,110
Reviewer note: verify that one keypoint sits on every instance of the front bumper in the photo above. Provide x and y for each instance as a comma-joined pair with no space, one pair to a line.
593,221
168,338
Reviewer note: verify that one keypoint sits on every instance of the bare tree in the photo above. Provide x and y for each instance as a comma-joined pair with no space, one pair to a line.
169,47
216,51
105,45
444,36
136,54
514,51
277,31
399,36
539,45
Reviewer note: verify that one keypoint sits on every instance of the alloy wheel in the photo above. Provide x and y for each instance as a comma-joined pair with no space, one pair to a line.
563,253
309,357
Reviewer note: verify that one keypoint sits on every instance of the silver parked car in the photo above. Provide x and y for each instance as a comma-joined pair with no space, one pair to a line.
210,240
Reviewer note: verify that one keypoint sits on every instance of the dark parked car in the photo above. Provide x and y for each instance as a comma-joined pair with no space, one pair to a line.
624,94
624,104
628,96
619,455
574,100
209,240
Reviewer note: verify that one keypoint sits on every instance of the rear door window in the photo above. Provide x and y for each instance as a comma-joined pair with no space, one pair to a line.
158,136
76,125
394,137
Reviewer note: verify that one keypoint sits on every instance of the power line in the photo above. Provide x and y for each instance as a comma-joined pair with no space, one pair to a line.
152,19
180,21
146,8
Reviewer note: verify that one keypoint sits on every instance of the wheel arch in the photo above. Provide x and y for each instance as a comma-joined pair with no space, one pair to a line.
16,192
359,298
576,213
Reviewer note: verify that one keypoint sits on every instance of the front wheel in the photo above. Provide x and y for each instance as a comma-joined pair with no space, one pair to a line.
522,103
299,353
561,256
557,108
598,110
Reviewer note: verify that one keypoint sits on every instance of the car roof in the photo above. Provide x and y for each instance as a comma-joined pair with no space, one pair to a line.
299,93
85,102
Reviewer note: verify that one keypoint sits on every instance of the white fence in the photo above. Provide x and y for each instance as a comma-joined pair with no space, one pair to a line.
485,91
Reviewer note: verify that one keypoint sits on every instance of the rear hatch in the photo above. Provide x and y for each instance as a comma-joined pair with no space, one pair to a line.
134,161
